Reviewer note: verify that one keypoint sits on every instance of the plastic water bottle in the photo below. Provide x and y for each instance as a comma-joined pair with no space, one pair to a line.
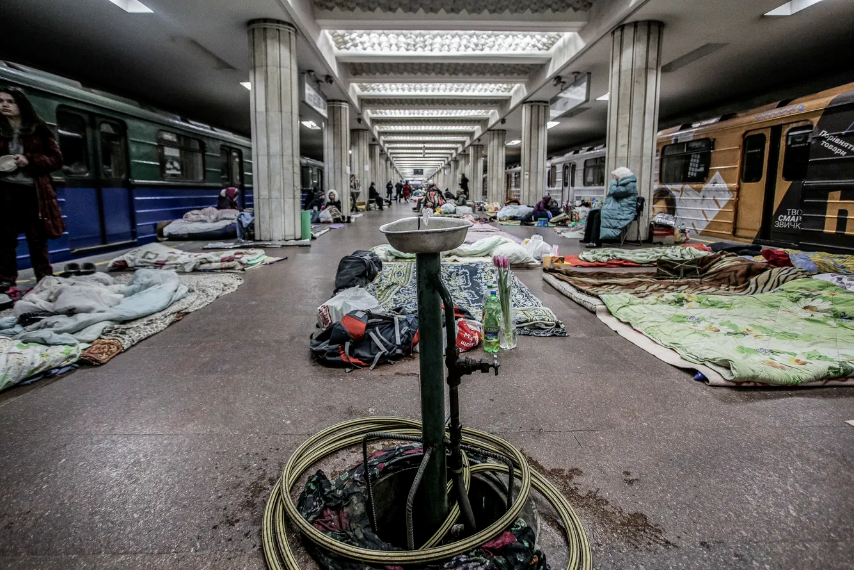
492,324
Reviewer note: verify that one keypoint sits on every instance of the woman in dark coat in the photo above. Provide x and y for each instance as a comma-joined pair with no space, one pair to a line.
28,201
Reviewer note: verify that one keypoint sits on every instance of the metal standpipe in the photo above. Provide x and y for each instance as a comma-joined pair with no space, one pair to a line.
434,503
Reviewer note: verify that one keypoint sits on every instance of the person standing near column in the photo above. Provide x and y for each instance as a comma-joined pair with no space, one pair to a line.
28,203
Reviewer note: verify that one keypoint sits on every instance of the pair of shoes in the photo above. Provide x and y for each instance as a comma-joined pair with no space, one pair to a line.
72,269
591,245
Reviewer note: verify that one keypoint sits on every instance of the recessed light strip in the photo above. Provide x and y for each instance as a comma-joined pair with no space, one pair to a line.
445,43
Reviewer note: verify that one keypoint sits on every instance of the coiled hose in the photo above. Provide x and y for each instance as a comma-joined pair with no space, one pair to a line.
279,555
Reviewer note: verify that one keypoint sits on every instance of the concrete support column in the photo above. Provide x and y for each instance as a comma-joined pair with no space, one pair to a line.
535,115
633,106
476,184
454,180
495,147
275,129
375,174
336,151
359,159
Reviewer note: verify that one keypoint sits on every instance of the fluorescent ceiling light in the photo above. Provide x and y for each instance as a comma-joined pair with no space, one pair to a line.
434,88
246,84
132,6
423,138
310,125
427,112
514,142
551,124
603,97
424,145
792,7
442,42
350,151
426,127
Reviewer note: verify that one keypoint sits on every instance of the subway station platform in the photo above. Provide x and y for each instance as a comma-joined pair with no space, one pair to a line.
686,390
164,457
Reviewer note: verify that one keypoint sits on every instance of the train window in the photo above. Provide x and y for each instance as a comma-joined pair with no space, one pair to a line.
565,175
552,179
753,158
686,162
181,158
594,171
230,166
237,167
224,164
73,143
797,153
832,156
113,160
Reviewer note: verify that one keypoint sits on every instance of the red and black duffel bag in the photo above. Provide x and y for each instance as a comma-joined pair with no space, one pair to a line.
364,339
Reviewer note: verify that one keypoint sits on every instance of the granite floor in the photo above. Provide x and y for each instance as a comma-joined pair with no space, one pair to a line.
164,457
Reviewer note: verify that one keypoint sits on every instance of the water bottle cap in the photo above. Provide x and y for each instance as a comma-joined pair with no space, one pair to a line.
493,292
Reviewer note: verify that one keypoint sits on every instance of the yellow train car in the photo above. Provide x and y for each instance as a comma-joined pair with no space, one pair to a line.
781,175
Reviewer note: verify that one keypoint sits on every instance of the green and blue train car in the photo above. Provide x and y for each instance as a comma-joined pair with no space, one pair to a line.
128,167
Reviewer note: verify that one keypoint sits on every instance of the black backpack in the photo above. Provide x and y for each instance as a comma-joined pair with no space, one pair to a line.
357,270
364,339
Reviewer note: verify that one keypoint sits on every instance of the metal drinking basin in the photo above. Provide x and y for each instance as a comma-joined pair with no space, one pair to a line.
412,235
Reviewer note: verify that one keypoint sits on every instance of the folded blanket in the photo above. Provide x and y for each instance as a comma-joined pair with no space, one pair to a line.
210,215
158,256
21,360
184,229
719,274
822,262
647,256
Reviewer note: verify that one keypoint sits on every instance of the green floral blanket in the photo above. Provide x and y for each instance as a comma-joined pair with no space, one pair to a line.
646,256
801,332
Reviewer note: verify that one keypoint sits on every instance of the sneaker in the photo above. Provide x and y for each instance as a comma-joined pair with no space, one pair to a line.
591,245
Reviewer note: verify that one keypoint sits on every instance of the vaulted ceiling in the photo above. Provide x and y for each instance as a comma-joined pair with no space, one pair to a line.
429,77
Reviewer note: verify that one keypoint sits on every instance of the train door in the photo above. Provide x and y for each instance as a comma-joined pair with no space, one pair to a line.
753,181
784,224
773,168
231,170
98,205
115,200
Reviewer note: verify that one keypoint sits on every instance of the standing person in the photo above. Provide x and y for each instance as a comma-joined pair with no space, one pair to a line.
388,189
464,183
406,191
398,191
617,212
28,200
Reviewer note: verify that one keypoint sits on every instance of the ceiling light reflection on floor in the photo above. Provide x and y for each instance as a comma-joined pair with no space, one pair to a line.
133,6
792,7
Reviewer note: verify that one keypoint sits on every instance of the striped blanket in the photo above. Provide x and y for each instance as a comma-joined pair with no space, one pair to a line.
720,274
